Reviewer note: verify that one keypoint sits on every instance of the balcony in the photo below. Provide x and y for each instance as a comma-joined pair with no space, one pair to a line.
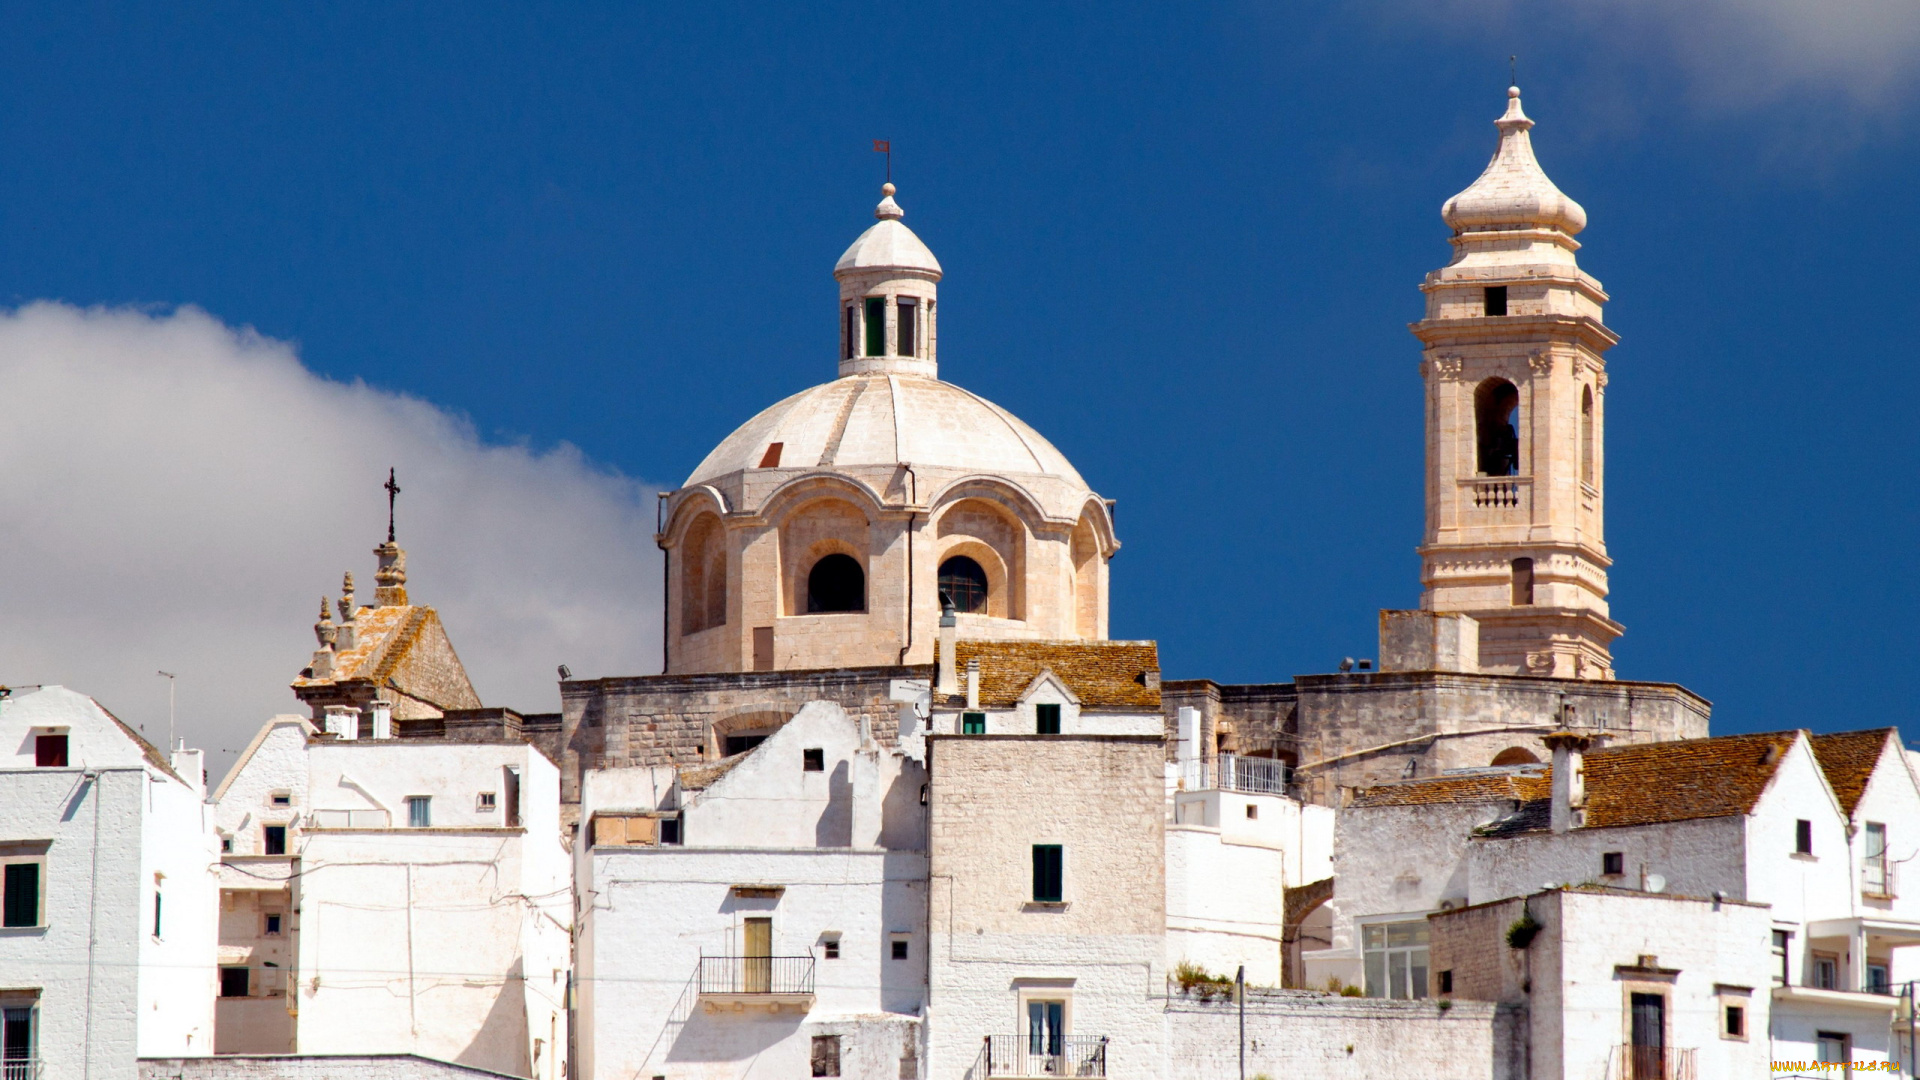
1878,878
20,1068
756,981
1651,1063
1230,772
1496,493
1030,1059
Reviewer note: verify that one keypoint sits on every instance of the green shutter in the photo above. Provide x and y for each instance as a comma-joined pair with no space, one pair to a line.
1046,873
22,895
973,723
1046,719
876,326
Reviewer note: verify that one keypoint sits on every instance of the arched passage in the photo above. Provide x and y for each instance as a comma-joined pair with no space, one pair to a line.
1496,419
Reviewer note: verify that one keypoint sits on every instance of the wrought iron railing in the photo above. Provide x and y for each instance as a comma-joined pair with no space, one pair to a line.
1877,877
1038,1056
18,1068
755,975
1230,772
1651,1063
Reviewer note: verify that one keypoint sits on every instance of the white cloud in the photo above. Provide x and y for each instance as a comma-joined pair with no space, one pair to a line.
178,494
1733,52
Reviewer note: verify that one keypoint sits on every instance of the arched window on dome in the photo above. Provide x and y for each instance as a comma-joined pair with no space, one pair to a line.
836,583
1515,755
1496,414
964,582
703,580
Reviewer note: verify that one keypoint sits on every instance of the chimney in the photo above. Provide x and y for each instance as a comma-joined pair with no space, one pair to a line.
973,683
1188,727
343,722
949,678
382,719
1569,778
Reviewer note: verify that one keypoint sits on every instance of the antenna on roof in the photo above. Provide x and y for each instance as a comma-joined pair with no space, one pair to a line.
1513,70
168,675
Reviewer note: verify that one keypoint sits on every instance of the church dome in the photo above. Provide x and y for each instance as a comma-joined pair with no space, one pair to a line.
884,419
1513,192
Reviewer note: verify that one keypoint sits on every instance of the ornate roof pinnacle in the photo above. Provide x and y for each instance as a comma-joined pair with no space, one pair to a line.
1513,192
888,209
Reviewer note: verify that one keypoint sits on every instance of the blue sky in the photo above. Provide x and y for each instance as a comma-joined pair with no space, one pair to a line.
1183,241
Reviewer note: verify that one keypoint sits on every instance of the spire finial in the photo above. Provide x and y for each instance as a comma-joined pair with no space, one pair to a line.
888,210
393,489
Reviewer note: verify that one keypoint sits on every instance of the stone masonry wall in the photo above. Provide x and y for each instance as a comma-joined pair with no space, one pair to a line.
1294,1033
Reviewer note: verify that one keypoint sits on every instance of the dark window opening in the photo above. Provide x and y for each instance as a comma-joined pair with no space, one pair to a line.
22,905
1737,1021
16,1041
973,723
273,839
964,583
836,583
156,913
830,948
1803,837
905,312
1495,301
771,459
851,333
1522,582
670,830
273,925
510,779
233,982
226,845
1613,863
740,744
900,949
1446,982
1586,436
1782,939
50,751
1046,719
876,326
1047,874
1496,408
826,1055
813,759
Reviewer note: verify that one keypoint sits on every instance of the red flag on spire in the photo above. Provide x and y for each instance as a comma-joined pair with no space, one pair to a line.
882,146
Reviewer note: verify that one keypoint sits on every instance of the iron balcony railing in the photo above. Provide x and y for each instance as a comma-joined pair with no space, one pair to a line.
18,1068
1037,1056
1230,772
755,975
1651,1063
1877,877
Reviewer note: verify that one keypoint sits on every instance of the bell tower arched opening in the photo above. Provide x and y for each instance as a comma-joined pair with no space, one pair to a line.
1496,419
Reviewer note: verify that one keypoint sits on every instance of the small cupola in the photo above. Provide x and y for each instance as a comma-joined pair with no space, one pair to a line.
888,288
1513,193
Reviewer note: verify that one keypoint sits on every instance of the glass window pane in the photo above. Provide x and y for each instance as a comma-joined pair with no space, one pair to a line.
906,318
1417,958
876,326
1376,936
1376,974
1397,969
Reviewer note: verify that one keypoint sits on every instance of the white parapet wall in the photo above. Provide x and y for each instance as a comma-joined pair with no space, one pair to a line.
1292,1033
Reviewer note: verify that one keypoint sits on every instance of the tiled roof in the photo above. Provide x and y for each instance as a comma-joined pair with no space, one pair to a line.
1848,758
1102,674
382,640
701,777
1641,784
1519,785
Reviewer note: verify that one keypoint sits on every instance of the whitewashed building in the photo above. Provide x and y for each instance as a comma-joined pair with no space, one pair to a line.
109,862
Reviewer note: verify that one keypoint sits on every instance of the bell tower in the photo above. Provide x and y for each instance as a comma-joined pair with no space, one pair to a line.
1515,393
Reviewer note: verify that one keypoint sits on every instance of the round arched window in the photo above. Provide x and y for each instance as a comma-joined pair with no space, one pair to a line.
964,583
836,583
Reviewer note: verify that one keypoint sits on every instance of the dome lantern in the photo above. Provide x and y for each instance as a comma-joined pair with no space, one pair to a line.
888,290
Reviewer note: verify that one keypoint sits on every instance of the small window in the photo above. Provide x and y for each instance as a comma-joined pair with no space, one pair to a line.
50,751
226,845
280,798
1803,837
836,583
1047,874
1826,971
1613,863
740,744
670,830
273,839
272,928
1879,977
22,906
1834,1048
830,948
905,313
1253,812
485,803
826,1055
157,924
1446,981
1522,582
1782,940
899,948
876,326
964,584
851,336
973,723
1875,879
1495,300
813,759
1736,1022
1046,719
233,982
420,811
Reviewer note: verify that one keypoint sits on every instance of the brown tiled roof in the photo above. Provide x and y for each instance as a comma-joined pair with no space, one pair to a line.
1641,784
1848,758
382,639
1102,674
1519,785
701,777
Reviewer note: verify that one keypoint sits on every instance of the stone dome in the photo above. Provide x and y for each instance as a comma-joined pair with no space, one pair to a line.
888,244
885,419
1513,192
